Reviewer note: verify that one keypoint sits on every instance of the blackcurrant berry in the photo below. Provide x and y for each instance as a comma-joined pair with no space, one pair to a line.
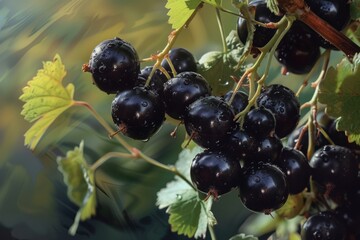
182,90
214,172
297,51
239,102
282,102
335,166
240,144
145,72
209,121
259,122
114,65
138,113
323,225
262,35
263,188
267,150
296,167
156,84
182,60
335,12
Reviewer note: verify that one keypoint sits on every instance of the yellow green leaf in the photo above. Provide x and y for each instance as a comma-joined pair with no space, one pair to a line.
45,99
180,11
79,179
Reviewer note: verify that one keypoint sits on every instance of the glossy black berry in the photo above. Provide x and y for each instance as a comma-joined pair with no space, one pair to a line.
296,168
323,226
335,12
114,65
182,90
182,59
209,121
297,51
138,113
267,150
156,84
214,172
263,188
158,75
282,102
259,122
334,165
262,35
239,102
240,144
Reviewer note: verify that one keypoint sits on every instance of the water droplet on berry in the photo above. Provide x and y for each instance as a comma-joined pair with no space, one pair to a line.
144,104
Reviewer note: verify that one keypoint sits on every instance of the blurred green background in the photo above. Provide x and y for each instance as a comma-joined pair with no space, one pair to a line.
33,201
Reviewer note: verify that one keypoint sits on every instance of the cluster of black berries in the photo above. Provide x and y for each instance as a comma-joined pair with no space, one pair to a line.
336,175
299,50
138,109
248,155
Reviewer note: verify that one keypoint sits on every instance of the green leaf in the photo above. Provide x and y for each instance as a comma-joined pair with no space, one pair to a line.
340,91
218,67
79,179
189,215
215,3
243,236
45,99
355,9
180,11
354,138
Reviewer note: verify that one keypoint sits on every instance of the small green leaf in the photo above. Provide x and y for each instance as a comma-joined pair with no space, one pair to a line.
79,179
180,11
218,67
189,215
355,9
243,236
340,91
45,99
354,138
215,3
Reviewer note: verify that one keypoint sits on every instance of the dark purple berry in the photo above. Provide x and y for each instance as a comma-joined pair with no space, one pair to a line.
335,166
214,172
239,102
323,226
297,51
296,168
262,35
182,60
240,144
263,188
209,121
138,113
259,122
182,90
114,65
282,102
267,150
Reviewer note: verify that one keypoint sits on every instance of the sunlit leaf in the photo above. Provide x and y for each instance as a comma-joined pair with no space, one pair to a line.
45,99
189,215
79,179
340,91
180,11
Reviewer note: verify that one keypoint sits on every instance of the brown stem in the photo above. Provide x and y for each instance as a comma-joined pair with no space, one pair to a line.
335,37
